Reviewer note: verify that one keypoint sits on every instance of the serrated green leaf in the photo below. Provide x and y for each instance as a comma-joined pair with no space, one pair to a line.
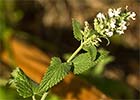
92,51
101,54
56,72
23,84
100,66
81,63
76,29
84,62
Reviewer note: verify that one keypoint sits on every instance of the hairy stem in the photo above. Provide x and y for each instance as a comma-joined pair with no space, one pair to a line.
44,96
77,50
70,58
33,97
75,53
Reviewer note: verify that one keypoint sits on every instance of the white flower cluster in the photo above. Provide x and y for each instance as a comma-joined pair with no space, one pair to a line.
115,22
114,12
89,38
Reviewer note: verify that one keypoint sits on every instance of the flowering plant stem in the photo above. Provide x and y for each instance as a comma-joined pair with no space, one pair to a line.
105,26
44,96
77,50
70,58
75,53
33,97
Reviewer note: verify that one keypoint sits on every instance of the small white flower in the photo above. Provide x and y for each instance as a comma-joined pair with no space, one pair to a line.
132,15
120,31
123,25
109,34
112,24
114,12
117,12
110,12
100,16
106,30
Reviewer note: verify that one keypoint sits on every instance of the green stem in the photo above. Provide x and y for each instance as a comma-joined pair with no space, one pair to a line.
75,53
70,58
33,97
44,96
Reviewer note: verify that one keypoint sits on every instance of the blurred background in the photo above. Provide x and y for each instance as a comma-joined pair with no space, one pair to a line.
32,31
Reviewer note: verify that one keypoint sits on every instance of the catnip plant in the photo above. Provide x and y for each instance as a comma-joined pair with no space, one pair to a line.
105,26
